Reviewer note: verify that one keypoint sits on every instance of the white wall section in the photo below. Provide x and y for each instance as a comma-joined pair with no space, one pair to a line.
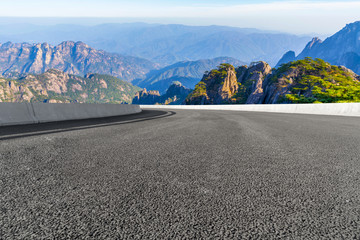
26,113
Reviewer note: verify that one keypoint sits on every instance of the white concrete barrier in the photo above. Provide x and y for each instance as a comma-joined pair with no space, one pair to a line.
25,113
16,113
50,112
340,109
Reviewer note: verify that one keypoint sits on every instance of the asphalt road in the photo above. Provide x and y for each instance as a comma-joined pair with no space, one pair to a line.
182,174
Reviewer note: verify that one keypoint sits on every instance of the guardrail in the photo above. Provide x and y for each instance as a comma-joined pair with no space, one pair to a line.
27,113
340,109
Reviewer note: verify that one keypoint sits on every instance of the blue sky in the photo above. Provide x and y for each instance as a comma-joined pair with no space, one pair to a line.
294,16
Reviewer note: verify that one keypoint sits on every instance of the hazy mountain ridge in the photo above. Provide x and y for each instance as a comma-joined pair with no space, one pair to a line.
57,86
189,73
168,44
302,81
343,48
71,57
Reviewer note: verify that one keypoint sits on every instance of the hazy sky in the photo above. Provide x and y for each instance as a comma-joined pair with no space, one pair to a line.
295,16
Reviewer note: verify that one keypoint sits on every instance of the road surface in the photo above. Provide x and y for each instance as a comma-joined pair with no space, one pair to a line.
182,174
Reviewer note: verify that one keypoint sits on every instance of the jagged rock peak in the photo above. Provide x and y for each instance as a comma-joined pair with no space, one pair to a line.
175,94
230,85
260,66
148,92
146,97
352,26
315,41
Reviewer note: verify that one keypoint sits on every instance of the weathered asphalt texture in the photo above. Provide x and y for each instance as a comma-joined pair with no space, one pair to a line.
182,174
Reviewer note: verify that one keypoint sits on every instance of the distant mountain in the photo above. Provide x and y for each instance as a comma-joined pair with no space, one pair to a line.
302,81
175,95
288,57
168,44
343,48
189,73
71,57
57,86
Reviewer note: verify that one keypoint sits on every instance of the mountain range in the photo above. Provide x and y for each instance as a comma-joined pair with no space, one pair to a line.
55,86
189,73
71,57
165,44
343,48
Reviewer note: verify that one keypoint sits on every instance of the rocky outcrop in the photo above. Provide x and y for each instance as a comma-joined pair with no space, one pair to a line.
257,73
229,87
216,87
57,86
146,97
75,58
176,94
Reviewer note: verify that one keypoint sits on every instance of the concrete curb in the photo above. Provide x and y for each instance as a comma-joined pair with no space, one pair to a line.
28,113
338,109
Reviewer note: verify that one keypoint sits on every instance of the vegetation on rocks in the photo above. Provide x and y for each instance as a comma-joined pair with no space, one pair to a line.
175,95
302,81
318,81
57,86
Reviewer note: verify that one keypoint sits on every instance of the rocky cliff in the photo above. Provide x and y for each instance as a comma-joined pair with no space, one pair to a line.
302,81
252,82
146,97
71,57
216,87
176,94
57,86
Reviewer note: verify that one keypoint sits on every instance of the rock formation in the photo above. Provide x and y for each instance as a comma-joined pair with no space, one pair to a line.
146,97
256,74
176,94
217,86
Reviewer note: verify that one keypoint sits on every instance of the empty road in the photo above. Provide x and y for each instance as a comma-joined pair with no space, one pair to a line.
182,174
